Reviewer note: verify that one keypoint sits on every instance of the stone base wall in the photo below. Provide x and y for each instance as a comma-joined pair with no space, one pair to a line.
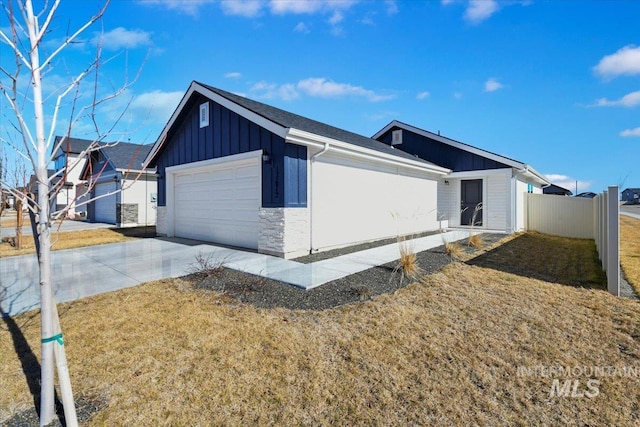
161,221
284,232
127,213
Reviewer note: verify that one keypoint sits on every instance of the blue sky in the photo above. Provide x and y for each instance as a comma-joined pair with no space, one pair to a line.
555,84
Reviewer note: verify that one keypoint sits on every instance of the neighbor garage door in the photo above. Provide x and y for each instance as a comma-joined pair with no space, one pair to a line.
219,203
105,207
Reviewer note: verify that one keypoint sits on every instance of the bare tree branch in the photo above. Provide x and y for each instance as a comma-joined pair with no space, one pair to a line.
93,19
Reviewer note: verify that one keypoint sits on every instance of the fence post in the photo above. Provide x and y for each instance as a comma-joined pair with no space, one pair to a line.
613,243
605,230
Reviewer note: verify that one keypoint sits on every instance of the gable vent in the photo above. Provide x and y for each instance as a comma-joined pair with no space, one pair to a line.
396,137
204,115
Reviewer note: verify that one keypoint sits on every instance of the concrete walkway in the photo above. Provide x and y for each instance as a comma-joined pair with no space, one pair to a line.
82,272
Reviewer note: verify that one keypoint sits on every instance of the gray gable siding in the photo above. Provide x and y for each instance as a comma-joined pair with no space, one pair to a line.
284,178
445,155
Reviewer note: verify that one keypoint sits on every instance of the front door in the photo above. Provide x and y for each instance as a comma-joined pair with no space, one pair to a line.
471,202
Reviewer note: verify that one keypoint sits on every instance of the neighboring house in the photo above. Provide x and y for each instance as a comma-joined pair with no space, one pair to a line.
631,195
72,192
116,167
587,195
484,189
556,190
239,172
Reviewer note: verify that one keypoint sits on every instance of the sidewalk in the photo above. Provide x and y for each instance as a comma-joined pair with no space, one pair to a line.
82,272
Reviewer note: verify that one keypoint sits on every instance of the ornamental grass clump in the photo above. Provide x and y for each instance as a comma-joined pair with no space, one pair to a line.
408,262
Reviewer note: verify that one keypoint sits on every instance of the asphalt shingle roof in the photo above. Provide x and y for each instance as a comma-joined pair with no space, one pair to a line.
125,155
291,120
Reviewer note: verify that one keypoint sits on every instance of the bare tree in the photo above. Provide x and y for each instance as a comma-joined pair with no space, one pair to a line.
36,143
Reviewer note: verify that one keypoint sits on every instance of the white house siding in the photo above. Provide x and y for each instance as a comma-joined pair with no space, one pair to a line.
355,201
522,188
496,212
139,192
449,201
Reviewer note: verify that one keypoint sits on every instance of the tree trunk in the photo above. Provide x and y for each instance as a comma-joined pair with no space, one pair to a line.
19,222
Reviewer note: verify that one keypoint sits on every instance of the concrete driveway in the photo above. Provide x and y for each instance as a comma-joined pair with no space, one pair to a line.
82,272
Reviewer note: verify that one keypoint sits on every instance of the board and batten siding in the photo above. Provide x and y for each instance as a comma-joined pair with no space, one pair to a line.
441,154
284,176
356,201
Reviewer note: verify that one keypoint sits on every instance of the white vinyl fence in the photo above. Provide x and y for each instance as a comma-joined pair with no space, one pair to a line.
583,218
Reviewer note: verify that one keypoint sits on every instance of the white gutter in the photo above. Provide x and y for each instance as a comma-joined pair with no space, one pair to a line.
532,173
312,161
299,137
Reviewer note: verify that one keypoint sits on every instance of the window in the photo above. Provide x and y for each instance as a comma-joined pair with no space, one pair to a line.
204,115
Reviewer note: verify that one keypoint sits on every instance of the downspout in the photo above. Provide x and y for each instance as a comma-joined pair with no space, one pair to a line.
311,202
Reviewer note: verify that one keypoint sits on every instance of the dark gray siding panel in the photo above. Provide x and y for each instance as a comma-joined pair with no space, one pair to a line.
441,154
295,164
283,177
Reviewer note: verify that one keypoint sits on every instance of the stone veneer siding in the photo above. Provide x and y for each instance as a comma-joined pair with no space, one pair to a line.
127,213
284,232
161,221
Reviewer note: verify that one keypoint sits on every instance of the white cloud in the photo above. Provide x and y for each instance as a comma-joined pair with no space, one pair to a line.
626,61
568,182
336,18
323,88
233,75
281,7
635,132
155,106
423,95
301,28
392,7
480,10
267,90
188,7
121,38
492,84
457,95
246,8
315,87
629,100
446,2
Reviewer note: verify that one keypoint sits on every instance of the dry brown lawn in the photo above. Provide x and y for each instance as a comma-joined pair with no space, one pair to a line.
77,239
442,352
630,250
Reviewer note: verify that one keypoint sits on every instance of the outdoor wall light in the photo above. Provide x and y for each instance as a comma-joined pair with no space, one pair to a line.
266,157
446,182
116,179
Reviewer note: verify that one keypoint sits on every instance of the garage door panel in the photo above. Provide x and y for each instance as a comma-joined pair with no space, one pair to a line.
105,207
219,203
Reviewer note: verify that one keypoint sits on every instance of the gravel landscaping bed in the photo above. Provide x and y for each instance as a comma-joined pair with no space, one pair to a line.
266,293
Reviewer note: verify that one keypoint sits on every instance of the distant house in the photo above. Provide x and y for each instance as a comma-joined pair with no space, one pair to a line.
631,195
70,194
556,190
125,193
587,194
484,189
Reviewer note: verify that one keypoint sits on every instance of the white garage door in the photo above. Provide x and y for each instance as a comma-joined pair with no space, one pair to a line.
105,207
219,203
